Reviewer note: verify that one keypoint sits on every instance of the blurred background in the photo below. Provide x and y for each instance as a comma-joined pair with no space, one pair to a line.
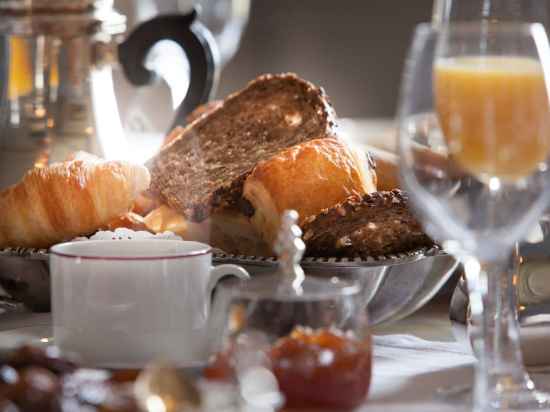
73,85
355,49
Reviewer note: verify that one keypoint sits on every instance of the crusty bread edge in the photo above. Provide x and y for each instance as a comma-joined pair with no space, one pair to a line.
231,194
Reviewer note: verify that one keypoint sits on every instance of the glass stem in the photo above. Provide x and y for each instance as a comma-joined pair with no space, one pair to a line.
495,332
502,321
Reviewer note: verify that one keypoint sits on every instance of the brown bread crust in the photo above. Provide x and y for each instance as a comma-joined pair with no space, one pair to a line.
204,169
203,110
375,224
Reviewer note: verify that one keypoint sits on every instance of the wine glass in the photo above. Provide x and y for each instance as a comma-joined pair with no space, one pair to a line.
452,11
476,94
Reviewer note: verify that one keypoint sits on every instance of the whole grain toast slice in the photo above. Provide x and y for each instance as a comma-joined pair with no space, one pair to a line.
204,169
375,224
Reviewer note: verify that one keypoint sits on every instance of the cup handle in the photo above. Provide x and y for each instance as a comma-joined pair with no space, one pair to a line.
221,271
216,317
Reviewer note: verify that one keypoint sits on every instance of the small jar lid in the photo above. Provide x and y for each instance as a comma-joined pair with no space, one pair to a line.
273,287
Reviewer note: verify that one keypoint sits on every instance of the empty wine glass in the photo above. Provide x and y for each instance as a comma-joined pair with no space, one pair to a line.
476,94
524,11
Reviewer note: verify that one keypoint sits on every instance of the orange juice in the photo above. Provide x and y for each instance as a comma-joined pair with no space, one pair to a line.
494,113
20,70
54,74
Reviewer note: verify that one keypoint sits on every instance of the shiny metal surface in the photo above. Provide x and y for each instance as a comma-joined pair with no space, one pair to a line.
52,6
47,113
25,276
394,286
290,249
80,82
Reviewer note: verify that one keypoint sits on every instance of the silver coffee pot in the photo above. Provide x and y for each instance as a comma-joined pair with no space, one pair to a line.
72,78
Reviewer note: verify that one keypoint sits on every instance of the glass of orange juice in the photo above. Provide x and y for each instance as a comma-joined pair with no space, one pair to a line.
477,96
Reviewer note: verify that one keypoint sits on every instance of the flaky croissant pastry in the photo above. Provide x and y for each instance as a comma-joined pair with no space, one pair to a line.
65,200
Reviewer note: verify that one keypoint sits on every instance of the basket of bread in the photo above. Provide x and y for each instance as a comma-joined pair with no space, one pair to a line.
225,178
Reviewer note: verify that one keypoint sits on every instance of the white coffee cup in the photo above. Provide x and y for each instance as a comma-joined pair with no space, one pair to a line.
126,303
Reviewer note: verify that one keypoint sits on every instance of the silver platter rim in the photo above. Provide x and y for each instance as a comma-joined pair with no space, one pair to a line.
308,262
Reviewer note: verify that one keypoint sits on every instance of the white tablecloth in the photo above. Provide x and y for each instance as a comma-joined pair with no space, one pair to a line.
408,371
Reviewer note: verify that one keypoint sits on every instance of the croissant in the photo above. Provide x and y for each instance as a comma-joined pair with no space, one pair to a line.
65,200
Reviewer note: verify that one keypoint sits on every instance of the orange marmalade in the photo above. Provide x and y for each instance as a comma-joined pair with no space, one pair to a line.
322,368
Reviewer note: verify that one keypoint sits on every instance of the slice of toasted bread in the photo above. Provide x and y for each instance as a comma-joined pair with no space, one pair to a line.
204,169
375,224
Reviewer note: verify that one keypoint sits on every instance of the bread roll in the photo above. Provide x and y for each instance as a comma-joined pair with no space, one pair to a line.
130,220
164,219
387,169
228,230
234,233
145,203
427,160
66,200
308,178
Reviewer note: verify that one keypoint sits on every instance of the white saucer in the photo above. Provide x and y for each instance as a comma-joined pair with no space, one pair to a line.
17,329
40,335
35,329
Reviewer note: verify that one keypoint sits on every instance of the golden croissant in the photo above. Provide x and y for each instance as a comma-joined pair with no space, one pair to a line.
66,200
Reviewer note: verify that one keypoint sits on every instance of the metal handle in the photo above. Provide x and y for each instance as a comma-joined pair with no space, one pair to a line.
193,38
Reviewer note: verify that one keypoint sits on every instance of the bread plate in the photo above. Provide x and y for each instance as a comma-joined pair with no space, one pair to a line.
394,285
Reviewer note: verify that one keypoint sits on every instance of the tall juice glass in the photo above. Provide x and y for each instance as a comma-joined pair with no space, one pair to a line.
481,12
476,94
522,11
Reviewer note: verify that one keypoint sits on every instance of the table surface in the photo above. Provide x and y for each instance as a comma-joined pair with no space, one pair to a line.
402,378
414,358
430,323
412,379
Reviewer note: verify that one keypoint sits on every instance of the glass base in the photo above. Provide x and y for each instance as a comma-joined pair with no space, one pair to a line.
516,400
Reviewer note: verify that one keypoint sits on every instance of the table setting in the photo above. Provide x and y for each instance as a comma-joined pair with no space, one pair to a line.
165,251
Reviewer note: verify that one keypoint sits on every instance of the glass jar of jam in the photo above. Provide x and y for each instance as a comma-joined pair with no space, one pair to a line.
310,332
322,368
315,368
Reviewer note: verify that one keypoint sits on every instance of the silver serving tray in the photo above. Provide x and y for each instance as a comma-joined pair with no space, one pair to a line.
394,285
